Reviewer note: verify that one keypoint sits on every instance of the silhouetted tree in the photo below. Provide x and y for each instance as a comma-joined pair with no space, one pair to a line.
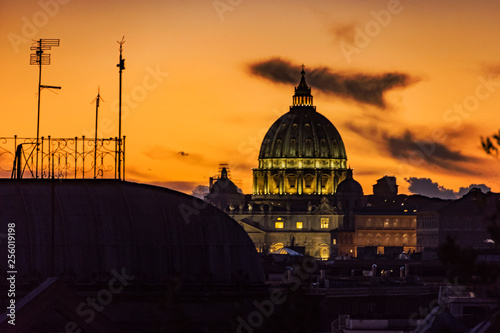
491,144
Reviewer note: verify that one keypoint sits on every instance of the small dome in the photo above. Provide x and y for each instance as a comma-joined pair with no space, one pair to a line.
224,185
349,185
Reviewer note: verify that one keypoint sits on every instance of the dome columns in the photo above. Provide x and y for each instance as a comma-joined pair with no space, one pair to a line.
266,182
255,178
281,179
319,185
295,181
300,182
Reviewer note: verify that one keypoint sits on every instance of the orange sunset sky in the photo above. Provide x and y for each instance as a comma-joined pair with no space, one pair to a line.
410,85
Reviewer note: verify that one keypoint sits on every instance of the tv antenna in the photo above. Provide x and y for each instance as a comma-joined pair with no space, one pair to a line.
40,58
96,100
120,65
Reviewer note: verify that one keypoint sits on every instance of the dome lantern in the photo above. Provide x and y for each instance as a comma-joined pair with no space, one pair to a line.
302,96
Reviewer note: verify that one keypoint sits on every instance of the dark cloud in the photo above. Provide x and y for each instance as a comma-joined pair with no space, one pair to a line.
429,152
464,190
426,187
362,88
409,147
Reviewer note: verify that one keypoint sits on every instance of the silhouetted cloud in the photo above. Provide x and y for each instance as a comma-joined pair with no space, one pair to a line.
434,153
409,147
362,88
464,190
426,187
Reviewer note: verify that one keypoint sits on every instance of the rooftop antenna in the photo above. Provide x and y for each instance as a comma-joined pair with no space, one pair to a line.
120,65
40,58
96,100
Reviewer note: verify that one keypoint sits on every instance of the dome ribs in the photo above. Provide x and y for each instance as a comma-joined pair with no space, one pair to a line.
313,134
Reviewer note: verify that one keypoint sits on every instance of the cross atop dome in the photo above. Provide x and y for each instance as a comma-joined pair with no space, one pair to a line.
302,95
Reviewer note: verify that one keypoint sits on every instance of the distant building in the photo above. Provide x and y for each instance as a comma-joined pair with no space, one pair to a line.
224,194
388,231
386,187
466,220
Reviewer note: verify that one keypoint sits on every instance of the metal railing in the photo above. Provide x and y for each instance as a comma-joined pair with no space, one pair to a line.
75,158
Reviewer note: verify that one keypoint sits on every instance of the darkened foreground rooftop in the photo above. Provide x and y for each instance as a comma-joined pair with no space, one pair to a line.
80,230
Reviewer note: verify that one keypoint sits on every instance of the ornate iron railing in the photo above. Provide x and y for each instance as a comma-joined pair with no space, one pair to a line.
62,157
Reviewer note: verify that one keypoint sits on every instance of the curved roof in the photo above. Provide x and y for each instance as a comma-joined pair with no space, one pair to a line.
83,229
224,185
349,185
302,132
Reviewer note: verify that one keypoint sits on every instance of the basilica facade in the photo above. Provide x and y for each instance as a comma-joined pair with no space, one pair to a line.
302,189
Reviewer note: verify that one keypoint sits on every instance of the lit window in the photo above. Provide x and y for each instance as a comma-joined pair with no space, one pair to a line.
299,225
324,222
334,241
278,225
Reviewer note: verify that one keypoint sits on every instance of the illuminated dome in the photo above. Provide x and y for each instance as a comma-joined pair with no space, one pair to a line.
302,152
302,132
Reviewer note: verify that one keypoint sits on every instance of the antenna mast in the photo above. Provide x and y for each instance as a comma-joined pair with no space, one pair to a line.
97,99
39,58
120,65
